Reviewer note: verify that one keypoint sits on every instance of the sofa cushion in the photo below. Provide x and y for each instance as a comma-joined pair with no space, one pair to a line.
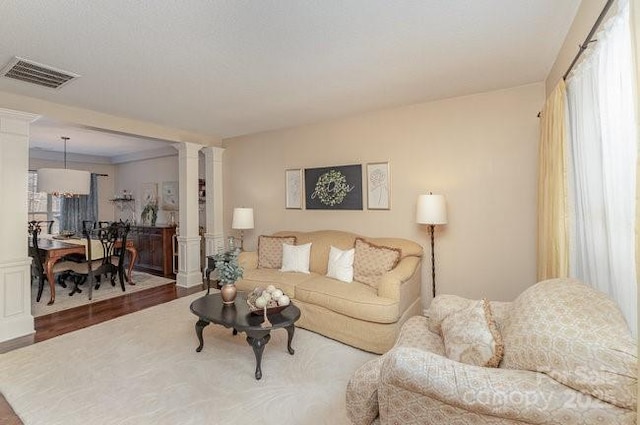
270,250
295,258
577,336
372,261
253,278
355,299
471,336
341,264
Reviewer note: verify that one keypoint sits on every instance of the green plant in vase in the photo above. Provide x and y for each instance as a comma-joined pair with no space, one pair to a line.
229,270
150,213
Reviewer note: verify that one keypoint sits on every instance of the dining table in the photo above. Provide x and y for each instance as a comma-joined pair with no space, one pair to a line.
55,248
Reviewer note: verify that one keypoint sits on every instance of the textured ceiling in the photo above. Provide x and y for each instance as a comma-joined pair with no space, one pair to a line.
234,67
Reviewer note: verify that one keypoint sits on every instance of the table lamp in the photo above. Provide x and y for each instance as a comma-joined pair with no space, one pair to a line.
242,220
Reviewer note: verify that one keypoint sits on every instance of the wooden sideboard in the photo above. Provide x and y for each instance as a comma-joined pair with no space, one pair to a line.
155,249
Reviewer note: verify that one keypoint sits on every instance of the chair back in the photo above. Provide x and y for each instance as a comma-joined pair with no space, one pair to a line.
113,239
121,247
34,229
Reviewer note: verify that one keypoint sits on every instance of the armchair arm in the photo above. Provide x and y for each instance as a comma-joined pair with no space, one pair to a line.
402,283
517,395
248,260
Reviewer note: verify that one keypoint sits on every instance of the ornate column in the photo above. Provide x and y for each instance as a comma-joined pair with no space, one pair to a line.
214,236
189,238
15,264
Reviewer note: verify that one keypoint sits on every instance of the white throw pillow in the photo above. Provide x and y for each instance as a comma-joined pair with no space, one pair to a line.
341,264
295,258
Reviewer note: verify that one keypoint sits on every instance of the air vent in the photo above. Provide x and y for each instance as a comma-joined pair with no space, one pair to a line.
36,73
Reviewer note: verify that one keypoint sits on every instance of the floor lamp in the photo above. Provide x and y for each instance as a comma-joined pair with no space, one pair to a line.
432,210
242,220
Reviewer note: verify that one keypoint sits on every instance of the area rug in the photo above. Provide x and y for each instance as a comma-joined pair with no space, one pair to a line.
64,301
143,369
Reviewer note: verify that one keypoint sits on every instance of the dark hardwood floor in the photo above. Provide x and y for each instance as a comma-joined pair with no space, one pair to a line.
64,321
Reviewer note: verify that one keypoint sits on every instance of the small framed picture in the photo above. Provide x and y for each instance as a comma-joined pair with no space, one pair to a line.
293,189
149,193
170,196
378,186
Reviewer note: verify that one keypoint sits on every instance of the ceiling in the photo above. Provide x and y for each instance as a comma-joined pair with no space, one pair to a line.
232,67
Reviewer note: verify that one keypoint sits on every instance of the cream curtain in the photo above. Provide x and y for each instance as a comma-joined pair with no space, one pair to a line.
553,238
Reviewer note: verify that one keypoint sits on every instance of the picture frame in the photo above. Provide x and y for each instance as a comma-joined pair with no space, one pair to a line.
170,196
333,188
149,193
378,186
293,189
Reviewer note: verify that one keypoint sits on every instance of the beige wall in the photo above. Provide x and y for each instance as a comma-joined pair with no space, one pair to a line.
132,175
586,16
105,184
480,151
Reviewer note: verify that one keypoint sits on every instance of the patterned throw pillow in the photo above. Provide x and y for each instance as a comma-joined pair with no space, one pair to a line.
372,261
270,250
471,336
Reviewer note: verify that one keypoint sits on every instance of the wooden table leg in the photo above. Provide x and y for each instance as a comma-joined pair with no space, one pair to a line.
133,256
52,282
258,340
290,330
200,324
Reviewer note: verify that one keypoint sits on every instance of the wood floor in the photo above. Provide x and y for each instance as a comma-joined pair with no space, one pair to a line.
64,321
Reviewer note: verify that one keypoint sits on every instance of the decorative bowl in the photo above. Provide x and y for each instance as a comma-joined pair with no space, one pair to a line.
272,306
67,233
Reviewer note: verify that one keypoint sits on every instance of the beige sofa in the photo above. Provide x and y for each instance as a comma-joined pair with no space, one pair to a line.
569,358
353,313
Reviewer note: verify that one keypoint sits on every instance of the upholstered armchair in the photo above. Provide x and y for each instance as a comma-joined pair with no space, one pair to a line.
568,358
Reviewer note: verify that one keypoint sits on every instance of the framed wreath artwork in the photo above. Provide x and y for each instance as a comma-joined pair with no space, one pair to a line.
378,186
333,188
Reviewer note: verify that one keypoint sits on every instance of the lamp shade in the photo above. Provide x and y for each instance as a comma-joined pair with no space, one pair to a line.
64,182
431,209
242,218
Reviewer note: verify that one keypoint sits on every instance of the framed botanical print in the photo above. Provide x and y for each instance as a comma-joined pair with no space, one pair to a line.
378,186
293,189
170,196
149,193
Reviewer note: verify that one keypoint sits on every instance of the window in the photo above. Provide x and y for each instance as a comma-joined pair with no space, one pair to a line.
42,206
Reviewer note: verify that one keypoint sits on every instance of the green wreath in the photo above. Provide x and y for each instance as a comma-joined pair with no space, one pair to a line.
332,188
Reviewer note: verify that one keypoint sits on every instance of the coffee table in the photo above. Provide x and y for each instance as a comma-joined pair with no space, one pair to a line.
237,316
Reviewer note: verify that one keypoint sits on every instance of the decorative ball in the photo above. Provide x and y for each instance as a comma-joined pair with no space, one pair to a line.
261,302
284,300
271,288
277,294
266,295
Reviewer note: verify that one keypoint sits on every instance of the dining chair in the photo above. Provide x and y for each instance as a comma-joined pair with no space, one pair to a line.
109,261
34,228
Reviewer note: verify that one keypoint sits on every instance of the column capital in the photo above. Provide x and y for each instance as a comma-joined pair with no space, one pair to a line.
18,115
16,122
213,153
188,149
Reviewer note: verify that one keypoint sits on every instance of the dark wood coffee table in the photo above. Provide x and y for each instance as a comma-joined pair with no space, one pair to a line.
237,316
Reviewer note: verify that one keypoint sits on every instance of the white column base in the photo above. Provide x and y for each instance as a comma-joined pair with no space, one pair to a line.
189,274
15,300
